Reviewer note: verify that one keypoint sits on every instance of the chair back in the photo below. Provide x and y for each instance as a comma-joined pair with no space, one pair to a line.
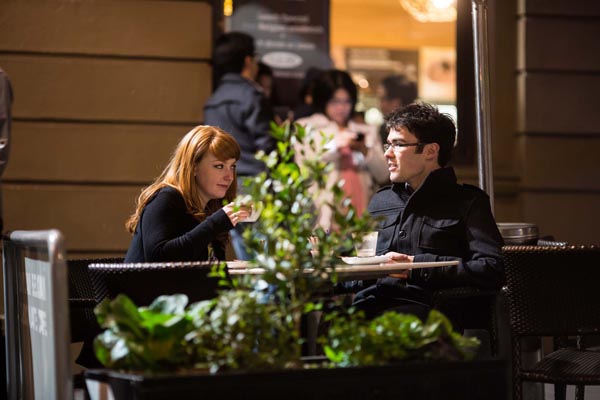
82,299
143,282
36,316
552,291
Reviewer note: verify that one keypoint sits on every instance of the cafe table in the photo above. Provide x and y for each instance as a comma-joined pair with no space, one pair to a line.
349,272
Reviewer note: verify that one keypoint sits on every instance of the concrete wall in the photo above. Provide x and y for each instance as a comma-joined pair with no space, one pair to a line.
558,120
103,92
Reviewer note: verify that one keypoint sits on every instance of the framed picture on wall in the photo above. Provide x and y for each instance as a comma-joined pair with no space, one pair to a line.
437,74
369,66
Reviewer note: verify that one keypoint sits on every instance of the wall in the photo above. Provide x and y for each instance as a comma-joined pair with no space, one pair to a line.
103,92
558,81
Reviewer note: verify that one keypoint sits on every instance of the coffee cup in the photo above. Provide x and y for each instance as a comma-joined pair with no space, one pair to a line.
255,213
367,247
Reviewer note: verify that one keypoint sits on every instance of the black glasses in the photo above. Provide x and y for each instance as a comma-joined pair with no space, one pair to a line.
398,146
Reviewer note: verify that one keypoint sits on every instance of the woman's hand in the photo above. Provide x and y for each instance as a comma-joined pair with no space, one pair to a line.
353,140
237,216
359,145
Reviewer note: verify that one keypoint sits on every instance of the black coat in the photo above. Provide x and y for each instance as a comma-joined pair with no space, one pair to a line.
239,108
441,221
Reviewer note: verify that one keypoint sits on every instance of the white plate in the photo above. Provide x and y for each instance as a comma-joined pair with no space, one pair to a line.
365,260
237,264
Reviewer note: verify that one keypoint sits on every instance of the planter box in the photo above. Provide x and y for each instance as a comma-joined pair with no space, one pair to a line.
454,380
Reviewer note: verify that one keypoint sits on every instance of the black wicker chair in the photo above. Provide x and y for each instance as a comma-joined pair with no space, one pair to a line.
553,292
143,282
81,297
475,311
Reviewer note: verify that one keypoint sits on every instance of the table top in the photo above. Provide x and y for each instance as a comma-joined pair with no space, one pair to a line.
350,272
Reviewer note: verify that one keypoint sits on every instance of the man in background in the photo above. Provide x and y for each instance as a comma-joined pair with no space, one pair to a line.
394,92
240,107
6,98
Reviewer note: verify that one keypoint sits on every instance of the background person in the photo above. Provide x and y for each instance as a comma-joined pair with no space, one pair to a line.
180,217
305,106
355,149
394,92
427,216
239,107
264,77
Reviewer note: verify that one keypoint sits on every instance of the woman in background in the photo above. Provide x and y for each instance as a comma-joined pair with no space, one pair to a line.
355,149
180,217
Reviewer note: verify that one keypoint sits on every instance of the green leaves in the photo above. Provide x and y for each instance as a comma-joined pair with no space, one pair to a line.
236,330
352,340
279,239
147,338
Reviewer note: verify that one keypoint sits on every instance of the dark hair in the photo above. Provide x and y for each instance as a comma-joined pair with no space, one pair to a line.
428,125
231,49
308,82
399,87
326,85
263,69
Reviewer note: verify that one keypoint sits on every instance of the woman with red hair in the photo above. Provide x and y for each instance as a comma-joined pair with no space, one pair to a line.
180,217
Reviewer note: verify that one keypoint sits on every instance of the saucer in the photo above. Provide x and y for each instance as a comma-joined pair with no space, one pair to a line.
365,260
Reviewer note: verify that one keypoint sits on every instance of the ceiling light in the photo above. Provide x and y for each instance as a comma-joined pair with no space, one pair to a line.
431,10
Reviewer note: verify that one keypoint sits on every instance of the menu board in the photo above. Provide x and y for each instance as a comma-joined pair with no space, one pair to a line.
290,35
37,327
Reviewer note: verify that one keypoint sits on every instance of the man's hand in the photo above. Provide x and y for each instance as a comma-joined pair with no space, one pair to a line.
399,257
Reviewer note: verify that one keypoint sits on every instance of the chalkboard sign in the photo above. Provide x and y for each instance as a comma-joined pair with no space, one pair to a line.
291,36
37,316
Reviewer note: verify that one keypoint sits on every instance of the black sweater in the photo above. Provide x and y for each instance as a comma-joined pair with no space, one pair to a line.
167,232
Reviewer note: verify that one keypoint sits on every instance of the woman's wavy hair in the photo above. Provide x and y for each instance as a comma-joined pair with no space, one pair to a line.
179,172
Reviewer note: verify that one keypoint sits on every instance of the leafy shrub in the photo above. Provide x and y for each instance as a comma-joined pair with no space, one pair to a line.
352,340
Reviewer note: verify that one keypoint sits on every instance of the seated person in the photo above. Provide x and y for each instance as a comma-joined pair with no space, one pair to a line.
427,216
180,216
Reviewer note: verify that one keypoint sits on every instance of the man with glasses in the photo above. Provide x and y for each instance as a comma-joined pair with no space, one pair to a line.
425,215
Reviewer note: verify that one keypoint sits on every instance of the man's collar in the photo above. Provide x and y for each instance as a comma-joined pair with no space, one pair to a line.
439,176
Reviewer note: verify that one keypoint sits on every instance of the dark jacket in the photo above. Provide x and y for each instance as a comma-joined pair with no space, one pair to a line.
167,232
239,108
441,221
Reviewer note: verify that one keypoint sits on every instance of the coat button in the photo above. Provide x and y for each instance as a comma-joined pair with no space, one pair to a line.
402,234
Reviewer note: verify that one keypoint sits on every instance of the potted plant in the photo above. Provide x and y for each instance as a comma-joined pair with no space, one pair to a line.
254,326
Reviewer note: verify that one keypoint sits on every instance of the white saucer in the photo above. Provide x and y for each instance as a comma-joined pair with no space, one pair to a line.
237,264
365,260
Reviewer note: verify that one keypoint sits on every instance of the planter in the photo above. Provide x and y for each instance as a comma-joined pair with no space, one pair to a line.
453,380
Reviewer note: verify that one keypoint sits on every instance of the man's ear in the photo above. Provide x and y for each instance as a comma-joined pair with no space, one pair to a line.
248,70
432,150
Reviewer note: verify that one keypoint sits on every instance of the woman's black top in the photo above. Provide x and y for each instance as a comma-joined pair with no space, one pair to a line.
167,232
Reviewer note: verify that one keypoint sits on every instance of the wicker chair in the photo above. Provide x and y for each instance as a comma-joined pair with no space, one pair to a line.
475,311
143,282
553,292
81,297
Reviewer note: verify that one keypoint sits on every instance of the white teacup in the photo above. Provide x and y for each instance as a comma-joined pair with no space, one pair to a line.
368,246
256,209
